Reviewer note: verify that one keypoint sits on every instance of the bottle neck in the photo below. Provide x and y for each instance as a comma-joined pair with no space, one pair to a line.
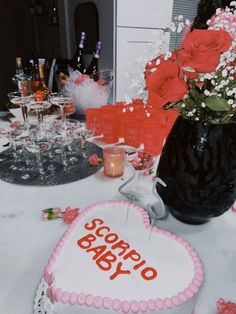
19,68
41,74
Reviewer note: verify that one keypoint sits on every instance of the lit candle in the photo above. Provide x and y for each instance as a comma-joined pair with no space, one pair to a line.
114,159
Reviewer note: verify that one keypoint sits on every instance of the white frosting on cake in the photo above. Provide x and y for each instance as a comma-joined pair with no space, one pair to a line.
162,271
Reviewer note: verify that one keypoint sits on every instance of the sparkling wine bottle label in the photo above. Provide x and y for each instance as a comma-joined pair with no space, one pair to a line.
43,90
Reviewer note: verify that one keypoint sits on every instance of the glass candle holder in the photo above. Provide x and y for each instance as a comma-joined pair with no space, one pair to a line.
114,160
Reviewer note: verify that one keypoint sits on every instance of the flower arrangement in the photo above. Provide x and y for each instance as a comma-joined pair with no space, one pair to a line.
87,92
55,213
198,79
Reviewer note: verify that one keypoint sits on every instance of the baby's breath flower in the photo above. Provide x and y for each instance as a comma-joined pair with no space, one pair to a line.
213,82
229,93
207,92
190,114
224,73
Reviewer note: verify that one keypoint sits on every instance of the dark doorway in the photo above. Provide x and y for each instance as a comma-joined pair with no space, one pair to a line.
86,20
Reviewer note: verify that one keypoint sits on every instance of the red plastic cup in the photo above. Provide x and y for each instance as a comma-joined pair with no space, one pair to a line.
160,115
110,127
133,130
153,137
137,103
93,120
107,108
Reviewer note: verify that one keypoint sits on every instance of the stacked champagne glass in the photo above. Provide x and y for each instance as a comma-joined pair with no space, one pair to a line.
51,141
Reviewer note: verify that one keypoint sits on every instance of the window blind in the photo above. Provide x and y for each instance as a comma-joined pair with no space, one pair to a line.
187,8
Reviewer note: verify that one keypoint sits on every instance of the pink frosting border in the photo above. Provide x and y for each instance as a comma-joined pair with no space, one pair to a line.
134,306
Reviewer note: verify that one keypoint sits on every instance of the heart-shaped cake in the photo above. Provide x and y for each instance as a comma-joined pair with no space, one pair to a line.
111,260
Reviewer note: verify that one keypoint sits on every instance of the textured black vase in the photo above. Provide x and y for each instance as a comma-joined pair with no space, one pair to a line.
198,165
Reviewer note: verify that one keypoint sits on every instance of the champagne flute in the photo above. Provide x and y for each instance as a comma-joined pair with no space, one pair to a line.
83,135
141,162
38,147
65,103
39,106
19,99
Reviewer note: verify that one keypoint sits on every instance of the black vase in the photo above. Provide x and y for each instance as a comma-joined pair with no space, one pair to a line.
198,165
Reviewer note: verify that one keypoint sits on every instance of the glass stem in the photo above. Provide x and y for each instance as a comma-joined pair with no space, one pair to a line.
63,116
63,156
39,161
138,181
24,109
13,144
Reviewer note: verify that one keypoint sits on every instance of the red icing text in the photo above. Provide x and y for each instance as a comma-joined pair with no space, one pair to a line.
107,255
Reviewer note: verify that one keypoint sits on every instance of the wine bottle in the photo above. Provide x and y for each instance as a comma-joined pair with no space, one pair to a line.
19,78
33,73
77,62
43,91
92,69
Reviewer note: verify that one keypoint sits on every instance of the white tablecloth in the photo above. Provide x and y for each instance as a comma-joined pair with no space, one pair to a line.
26,241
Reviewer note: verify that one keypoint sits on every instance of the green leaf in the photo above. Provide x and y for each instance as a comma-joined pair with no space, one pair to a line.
190,103
179,105
196,96
168,106
216,103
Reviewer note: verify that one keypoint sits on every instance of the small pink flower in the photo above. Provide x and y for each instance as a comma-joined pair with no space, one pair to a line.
70,214
80,79
200,84
94,160
56,210
44,216
51,213
15,125
224,307
101,82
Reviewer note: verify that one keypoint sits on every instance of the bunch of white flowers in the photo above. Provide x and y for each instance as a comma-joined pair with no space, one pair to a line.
136,69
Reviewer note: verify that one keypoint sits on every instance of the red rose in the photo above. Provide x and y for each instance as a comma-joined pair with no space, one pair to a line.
70,214
224,307
81,78
149,66
201,49
166,84
94,160
101,82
